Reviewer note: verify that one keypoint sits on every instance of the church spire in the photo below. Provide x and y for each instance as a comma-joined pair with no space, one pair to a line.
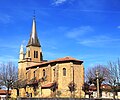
21,54
21,49
33,41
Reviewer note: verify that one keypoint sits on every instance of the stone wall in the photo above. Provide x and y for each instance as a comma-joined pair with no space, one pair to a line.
60,99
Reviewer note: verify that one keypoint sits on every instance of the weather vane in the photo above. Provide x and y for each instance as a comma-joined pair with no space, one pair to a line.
33,13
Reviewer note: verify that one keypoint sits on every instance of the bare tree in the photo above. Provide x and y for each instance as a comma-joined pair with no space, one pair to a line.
54,88
72,88
103,72
103,75
85,88
17,84
8,75
114,78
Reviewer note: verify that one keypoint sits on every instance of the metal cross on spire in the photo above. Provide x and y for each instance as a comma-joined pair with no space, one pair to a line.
34,14
34,41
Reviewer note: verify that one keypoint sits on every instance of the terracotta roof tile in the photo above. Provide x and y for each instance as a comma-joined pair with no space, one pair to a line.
66,59
48,85
103,86
4,92
55,61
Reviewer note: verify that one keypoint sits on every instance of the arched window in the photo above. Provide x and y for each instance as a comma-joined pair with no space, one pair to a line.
28,49
54,72
35,54
44,73
64,71
41,57
29,53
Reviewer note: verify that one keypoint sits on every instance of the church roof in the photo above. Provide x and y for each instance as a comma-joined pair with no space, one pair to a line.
60,60
65,58
33,41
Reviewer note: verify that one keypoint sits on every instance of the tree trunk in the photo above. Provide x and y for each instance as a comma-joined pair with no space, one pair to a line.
113,95
7,95
17,92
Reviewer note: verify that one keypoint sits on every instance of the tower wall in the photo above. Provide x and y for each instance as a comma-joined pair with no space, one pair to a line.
22,70
34,54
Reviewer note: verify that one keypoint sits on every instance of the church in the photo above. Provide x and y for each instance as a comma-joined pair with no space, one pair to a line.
62,77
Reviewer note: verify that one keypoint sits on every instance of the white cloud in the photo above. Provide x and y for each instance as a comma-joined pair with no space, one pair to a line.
84,35
58,2
100,41
9,46
76,32
8,58
49,55
118,27
4,18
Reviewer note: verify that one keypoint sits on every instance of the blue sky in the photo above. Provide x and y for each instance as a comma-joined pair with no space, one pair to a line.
88,30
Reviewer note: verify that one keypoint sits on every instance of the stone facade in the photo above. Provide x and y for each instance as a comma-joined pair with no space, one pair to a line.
43,78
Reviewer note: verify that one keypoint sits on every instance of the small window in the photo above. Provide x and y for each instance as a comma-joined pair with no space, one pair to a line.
41,57
54,72
64,71
34,74
44,73
29,53
35,54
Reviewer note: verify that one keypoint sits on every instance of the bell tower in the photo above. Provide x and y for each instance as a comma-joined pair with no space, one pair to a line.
33,53
33,48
